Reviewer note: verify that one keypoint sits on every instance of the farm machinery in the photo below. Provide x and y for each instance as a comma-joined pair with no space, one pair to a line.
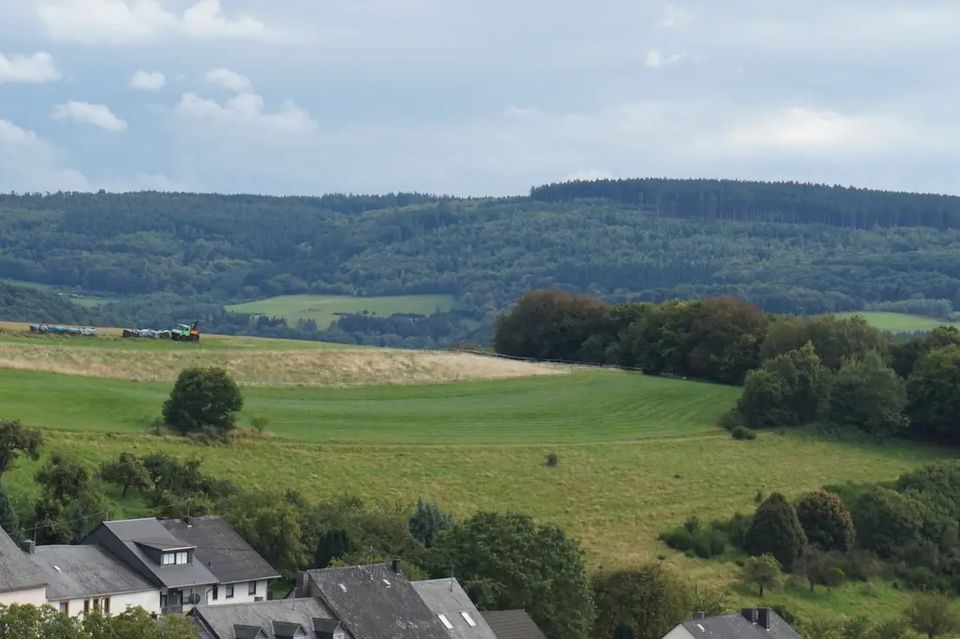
179,333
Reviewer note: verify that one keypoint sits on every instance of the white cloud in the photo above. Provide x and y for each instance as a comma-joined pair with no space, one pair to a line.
148,81
98,115
28,163
246,112
127,21
230,80
36,68
675,16
654,59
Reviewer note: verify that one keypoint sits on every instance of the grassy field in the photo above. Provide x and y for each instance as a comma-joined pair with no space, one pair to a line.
637,454
899,322
323,309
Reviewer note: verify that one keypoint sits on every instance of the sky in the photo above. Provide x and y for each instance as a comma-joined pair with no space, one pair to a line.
484,97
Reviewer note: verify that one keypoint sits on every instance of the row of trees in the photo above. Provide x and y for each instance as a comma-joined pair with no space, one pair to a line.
29,622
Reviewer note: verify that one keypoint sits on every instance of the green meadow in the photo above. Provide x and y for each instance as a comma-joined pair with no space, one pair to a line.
324,309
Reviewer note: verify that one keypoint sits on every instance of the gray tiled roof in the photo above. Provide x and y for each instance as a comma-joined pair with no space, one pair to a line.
221,549
78,572
221,621
17,570
124,538
446,597
513,624
737,627
373,601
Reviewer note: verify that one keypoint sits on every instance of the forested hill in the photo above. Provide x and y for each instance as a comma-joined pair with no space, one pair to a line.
788,202
161,257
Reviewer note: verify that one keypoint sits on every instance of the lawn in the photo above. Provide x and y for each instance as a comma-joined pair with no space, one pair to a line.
323,309
899,322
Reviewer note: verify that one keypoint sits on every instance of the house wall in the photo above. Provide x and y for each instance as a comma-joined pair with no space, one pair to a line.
679,632
33,596
148,600
239,593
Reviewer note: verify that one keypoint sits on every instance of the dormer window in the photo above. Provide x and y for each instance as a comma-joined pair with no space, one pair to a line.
175,558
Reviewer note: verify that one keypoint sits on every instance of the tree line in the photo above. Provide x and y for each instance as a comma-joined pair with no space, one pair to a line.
838,372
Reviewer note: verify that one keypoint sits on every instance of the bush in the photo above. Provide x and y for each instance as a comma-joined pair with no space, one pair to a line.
203,400
552,459
743,433
694,539
776,530
825,521
730,420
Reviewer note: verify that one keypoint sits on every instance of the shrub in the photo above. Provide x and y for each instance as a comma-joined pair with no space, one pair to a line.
730,420
692,538
826,521
203,400
552,459
885,521
743,433
776,530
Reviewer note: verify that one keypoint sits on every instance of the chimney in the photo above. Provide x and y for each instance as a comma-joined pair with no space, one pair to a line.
30,547
302,584
750,614
188,521
395,567
763,618
699,615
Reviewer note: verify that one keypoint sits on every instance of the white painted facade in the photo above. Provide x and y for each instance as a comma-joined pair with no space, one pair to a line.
30,596
241,593
679,632
149,600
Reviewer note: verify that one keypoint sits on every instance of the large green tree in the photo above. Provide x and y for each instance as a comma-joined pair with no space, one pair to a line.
508,561
762,571
726,337
8,516
548,324
933,615
428,521
776,531
867,394
127,471
933,393
826,521
650,600
786,391
885,520
16,440
203,400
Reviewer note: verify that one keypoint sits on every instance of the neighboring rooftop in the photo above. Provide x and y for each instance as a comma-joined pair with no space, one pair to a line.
446,597
80,572
376,601
247,620
512,624
221,549
751,623
17,569
133,536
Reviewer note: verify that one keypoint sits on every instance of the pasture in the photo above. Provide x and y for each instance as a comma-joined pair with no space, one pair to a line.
324,309
899,322
637,454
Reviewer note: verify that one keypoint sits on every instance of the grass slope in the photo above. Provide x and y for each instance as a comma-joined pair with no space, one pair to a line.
323,309
899,322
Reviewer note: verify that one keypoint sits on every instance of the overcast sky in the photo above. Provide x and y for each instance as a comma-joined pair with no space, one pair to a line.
483,97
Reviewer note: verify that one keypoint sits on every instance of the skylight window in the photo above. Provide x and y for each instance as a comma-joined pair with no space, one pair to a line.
342,588
466,617
386,582
446,622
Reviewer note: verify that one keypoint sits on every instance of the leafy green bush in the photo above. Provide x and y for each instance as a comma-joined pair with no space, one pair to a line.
693,538
743,433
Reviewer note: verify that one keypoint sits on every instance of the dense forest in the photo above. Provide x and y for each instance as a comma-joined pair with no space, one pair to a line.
789,248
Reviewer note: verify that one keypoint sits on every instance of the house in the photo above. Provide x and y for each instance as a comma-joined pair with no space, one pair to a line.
85,577
758,623
512,624
192,561
279,619
21,581
451,605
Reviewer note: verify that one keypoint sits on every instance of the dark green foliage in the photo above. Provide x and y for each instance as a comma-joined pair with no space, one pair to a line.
127,471
818,567
868,395
428,522
933,615
30,305
63,479
935,484
786,391
508,561
885,521
552,459
776,531
650,600
743,433
904,354
762,571
726,337
933,393
29,622
624,631
202,400
730,420
16,440
825,521
333,544
8,517
549,325
693,538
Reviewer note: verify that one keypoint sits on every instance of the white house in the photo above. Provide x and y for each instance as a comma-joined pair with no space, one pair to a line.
85,578
21,581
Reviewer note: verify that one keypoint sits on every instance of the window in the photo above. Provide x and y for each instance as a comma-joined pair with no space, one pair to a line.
230,591
252,588
106,605
174,558
466,617
183,557
65,608
446,622
163,600
167,559
86,606
215,593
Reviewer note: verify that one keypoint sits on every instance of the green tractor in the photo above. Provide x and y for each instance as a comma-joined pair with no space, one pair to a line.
185,333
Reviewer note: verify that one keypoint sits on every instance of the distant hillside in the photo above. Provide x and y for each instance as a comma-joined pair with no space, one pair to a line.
22,304
165,257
